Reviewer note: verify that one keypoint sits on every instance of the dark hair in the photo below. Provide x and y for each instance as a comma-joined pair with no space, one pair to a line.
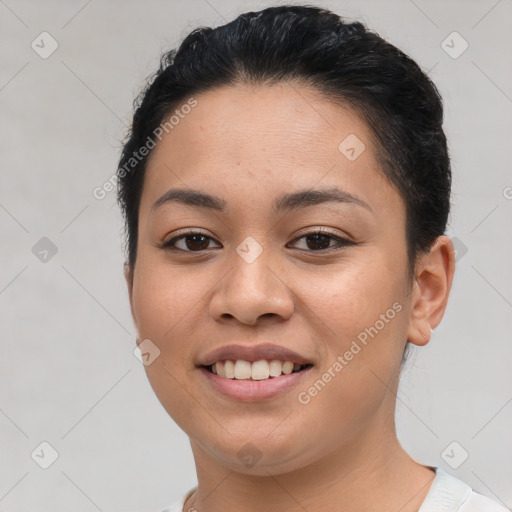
346,62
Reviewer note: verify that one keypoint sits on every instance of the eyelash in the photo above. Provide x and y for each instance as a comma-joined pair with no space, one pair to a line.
342,242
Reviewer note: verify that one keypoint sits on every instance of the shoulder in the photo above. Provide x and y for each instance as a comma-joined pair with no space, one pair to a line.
449,494
477,502
178,505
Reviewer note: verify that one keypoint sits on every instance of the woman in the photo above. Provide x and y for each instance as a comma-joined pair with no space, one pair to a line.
286,189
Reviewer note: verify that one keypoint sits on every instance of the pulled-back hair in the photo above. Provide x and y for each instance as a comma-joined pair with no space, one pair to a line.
346,62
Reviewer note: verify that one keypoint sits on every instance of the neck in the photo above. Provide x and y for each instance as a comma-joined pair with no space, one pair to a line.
371,473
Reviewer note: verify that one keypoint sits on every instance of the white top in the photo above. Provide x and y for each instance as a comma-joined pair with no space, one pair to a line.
446,494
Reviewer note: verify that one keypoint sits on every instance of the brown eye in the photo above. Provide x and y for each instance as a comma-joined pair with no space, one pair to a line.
191,242
318,241
196,242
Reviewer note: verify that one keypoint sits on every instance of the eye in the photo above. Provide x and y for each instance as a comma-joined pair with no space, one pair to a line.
192,241
320,240
316,241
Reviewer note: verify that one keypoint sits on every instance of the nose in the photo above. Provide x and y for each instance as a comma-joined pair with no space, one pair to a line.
251,290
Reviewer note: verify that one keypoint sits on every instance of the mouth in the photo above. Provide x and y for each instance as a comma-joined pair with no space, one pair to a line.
253,372
256,371
261,380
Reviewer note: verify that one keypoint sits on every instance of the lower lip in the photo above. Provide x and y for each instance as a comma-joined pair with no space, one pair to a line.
254,390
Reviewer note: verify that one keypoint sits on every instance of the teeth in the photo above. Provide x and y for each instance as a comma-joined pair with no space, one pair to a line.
221,369
287,367
229,369
276,368
259,370
242,370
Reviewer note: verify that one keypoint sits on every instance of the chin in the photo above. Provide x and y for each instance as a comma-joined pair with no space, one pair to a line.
261,454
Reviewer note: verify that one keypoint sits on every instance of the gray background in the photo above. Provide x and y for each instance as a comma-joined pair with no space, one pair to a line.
68,373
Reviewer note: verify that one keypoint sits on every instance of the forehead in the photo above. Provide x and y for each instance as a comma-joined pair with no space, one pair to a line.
263,138
281,121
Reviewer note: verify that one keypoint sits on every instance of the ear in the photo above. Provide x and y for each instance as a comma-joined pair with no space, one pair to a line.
431,288
128,275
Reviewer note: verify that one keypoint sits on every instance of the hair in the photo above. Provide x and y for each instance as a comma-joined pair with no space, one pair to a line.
344,61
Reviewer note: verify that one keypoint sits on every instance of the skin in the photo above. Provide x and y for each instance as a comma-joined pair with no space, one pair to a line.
249,145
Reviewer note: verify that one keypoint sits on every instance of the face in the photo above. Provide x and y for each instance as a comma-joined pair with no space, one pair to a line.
251,268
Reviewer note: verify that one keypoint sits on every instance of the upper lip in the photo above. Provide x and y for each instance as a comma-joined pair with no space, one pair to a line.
253,353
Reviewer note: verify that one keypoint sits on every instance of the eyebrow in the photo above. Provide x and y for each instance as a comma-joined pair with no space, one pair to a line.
285,202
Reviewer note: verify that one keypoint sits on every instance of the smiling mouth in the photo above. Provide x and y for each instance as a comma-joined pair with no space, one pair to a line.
257,371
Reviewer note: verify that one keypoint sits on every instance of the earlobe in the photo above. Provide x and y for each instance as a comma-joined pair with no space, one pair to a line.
433,280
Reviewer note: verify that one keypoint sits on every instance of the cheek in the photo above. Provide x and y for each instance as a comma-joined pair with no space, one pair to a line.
165,298
343,407
165,305
364,325
362,303
363,352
